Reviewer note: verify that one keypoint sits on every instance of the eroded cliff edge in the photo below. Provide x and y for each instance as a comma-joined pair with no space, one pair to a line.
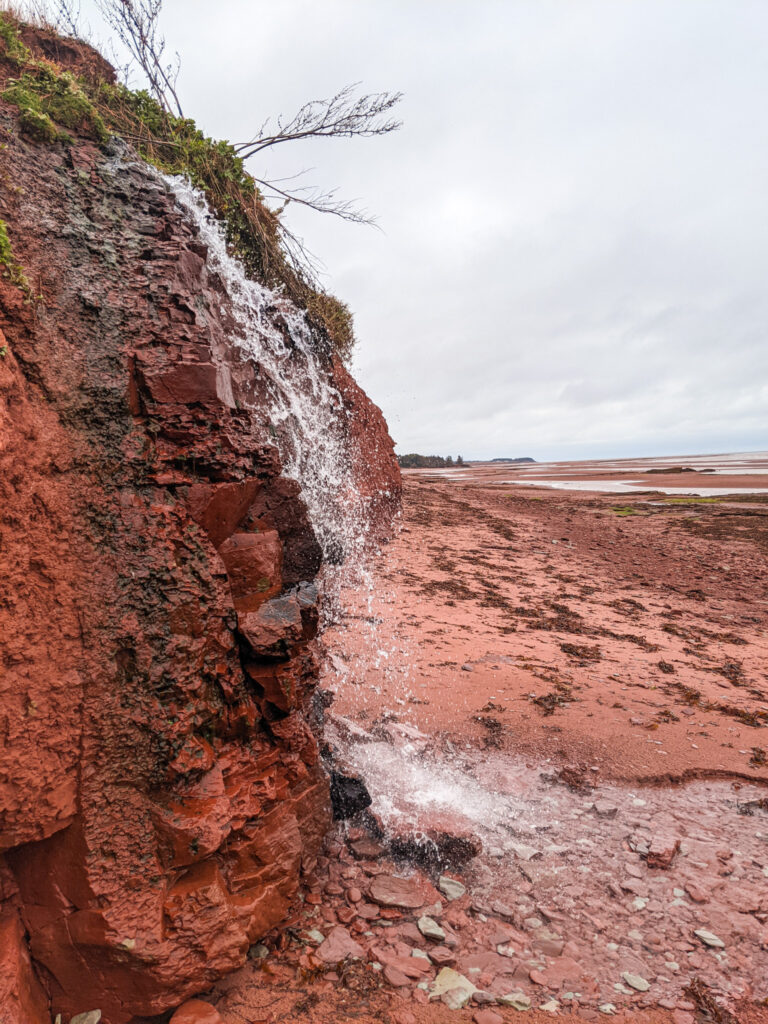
160,784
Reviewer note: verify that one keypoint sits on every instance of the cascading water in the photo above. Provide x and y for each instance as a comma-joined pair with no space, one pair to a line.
305,414
303,408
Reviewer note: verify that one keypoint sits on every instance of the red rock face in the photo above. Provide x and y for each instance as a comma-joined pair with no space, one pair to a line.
376,471
160,788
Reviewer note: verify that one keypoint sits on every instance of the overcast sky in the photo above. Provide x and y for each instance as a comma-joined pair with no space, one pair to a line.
574,243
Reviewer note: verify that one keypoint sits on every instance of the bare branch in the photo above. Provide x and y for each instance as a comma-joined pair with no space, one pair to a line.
318,200
135,23
68,17
342,117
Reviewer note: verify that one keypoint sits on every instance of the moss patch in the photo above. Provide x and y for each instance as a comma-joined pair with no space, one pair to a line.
691,501
10,268
50,102
11,41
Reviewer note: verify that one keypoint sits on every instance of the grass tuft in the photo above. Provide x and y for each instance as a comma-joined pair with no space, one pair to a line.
10,268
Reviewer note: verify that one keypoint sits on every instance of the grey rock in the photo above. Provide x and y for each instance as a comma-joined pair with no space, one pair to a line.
456,998
636,982
709,938
430,929
517,1000
451,888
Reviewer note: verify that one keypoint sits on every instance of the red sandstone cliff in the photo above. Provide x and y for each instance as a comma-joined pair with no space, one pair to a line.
160,789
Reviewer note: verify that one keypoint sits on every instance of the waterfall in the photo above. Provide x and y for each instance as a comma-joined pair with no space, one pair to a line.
302,409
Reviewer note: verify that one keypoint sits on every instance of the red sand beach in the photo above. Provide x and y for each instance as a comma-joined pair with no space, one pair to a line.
573,687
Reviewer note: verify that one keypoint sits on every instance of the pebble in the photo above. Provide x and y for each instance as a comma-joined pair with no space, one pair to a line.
502,909
517,1000
403,1017
605,809
451,888
551,1006
487,1017
608,1008
709,938
94,1016
636,982
523,852
696,893
194,1011
430,929
682,1017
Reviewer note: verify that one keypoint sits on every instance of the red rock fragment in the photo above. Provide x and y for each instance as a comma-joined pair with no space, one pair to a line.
697,893
197,1011
364,849
21,995
563,971
682,1017
391,891
277,623
254,567
662,851
487,1017
337,946
403,1017
442,956
394,977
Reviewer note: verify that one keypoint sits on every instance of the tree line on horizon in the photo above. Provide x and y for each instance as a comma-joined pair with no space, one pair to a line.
414,461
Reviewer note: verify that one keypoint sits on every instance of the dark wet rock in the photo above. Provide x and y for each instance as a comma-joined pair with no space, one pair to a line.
349,796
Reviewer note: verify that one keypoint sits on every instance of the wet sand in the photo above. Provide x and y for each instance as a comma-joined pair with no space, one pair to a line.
631,635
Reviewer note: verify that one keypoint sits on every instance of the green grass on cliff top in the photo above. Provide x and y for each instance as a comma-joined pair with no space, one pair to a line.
54,102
